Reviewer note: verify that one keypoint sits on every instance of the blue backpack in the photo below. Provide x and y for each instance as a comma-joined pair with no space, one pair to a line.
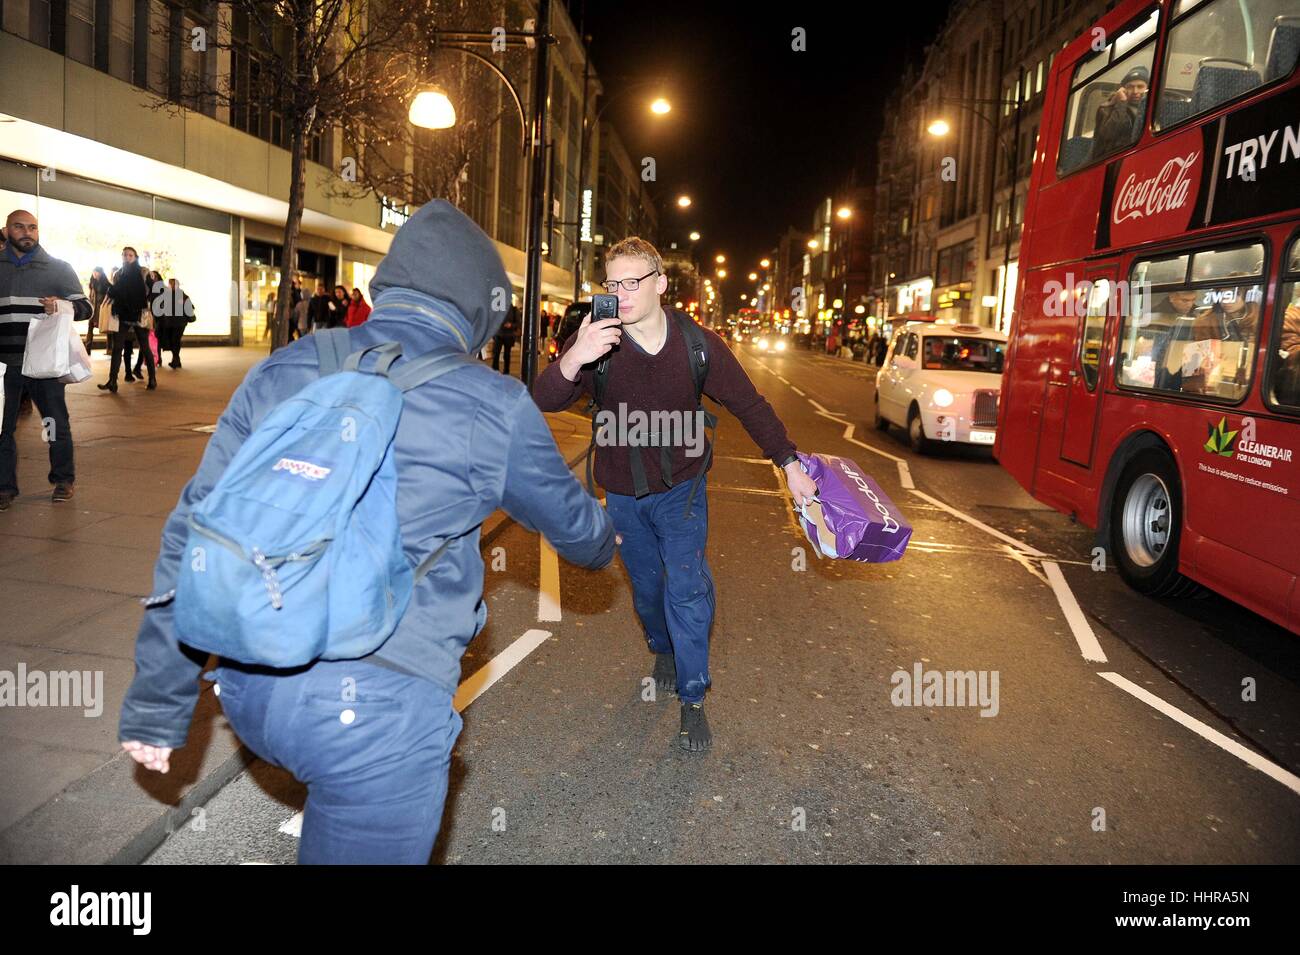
296,553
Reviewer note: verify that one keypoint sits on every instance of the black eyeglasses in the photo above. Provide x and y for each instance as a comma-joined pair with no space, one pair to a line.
630,284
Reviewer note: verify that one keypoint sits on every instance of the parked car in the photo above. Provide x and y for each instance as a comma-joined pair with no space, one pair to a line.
941,382
573,316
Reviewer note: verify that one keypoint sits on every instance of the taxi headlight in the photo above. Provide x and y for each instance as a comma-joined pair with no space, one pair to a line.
942,397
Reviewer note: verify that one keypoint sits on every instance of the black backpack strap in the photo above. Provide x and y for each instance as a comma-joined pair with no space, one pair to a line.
332,346
697,348
598,379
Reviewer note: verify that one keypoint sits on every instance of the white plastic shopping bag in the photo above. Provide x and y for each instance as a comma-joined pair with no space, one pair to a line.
78,359
47,354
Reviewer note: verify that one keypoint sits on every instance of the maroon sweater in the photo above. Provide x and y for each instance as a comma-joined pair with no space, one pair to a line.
662,382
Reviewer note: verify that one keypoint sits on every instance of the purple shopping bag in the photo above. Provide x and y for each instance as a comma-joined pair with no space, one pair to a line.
852,517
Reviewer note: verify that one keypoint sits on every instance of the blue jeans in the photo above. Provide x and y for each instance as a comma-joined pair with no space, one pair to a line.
373,747
672,588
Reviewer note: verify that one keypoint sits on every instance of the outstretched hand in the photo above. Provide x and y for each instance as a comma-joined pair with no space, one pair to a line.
150,757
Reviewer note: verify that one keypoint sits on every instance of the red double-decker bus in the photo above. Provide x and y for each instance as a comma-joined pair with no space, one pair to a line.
1152,384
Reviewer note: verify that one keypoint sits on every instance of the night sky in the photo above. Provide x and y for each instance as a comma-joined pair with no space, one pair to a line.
758,133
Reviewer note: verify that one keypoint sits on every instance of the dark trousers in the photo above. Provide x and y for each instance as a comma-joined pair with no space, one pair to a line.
500,345
47,394
124,336
169,339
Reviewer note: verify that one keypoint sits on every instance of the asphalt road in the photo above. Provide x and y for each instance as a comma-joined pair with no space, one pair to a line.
562,760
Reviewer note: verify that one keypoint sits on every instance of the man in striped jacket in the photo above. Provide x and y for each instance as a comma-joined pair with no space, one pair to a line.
31,287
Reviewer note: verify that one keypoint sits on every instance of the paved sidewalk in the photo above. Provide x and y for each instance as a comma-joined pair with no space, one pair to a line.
71,576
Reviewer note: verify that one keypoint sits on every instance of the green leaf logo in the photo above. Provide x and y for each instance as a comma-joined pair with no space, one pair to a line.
1221,442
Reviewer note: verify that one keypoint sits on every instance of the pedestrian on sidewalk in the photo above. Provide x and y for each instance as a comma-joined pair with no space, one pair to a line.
32,285
300,318
358,309
319,309
173,311
654,355
154,292
372,737
338,308
97,289
505,339
130,298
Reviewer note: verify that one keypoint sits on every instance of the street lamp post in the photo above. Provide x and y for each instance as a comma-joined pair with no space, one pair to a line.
939,128
534,130
659,108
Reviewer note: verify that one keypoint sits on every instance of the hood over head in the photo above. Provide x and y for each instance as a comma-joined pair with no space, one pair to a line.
442,253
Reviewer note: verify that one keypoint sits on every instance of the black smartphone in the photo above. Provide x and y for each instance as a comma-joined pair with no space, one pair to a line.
604,306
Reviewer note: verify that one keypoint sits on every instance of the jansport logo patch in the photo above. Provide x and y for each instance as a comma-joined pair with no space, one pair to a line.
1221,442
313,472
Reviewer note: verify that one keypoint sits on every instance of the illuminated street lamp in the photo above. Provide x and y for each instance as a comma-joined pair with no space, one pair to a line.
844,212
813,244
938,127
765,263
719,258
660,106
695,237
722,273
753,276
683,201
431,109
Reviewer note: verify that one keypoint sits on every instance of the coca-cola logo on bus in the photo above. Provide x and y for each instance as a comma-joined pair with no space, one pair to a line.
1155,190
1163,192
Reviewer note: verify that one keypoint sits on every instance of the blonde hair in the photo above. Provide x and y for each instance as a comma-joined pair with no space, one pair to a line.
638,248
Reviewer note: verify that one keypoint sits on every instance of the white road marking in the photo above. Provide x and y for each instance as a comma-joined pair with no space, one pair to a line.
1079,626
548,593
466,693
497,667
822,409
1021,545
1248,756
905,475
797,391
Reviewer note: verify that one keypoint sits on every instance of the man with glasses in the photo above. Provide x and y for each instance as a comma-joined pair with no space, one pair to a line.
662,524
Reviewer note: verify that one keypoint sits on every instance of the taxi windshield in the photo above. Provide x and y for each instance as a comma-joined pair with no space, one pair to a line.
954,353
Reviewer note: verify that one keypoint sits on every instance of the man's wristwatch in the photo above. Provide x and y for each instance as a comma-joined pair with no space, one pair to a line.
788,459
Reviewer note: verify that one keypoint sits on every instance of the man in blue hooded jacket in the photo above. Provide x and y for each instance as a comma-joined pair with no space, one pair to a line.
372,738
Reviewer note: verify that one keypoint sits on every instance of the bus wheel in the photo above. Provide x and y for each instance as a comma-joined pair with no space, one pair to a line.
882,423
916,431
1146,519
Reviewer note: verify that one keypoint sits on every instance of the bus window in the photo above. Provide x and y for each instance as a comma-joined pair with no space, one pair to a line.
1108,95
1222,49
1284,368
1094,326
1197,336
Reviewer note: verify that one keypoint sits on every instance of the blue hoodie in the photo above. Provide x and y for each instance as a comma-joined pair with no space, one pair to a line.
468,443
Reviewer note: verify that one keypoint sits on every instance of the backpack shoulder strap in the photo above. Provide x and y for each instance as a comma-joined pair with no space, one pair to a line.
332,346
425,368
697,346
598,379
